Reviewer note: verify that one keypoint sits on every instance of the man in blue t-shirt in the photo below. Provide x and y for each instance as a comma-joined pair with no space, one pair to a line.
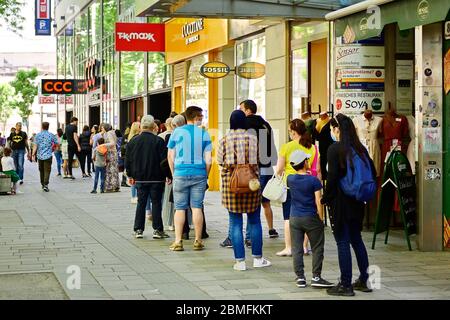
306,217
189,159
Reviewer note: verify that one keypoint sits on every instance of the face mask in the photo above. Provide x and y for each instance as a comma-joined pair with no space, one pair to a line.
333,136
198,123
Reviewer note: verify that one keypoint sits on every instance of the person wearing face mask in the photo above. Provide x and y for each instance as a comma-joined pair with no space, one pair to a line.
346,213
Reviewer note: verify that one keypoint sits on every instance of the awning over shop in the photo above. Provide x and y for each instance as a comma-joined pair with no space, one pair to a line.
407,13
245,9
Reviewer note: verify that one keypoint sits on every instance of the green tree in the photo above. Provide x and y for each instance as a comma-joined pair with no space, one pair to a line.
6,103
10,15
25,91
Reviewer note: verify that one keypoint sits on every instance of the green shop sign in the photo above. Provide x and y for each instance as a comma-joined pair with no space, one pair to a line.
407,13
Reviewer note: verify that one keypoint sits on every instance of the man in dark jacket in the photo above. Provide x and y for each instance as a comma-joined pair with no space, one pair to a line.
267,154
144,155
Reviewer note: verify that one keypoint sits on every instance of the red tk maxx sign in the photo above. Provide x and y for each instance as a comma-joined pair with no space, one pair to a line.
147,37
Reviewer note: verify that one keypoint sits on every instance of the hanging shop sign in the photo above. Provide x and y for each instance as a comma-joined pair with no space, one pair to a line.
358,101
251,70
365,79
92,73
43,18
356,56
214,70
46,99
397,179
189,37
146,37
61,86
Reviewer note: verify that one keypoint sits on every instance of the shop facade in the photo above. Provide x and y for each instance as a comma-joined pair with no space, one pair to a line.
395,64
120,85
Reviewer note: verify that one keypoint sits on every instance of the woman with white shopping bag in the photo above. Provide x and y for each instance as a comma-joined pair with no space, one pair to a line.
301,140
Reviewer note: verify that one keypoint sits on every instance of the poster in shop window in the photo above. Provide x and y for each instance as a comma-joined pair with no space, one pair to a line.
349,102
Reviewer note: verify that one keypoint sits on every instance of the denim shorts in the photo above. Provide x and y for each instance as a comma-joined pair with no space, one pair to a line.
189,191
263,179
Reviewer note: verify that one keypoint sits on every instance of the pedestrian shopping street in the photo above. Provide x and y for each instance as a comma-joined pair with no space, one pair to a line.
42,234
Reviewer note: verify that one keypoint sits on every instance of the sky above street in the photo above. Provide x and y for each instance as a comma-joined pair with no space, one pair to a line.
27,42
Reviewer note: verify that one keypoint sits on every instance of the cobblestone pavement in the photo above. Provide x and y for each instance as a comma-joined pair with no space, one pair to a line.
47,232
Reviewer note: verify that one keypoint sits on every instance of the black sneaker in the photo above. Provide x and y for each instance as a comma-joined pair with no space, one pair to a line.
361,286
46,189
21,182
340,290
160,234
319,282
301,282
205,235
248,243
139,234
227,243
103,191
72,178
94,191
273,234
185,236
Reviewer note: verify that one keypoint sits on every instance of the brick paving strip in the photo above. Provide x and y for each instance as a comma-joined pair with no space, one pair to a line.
47,232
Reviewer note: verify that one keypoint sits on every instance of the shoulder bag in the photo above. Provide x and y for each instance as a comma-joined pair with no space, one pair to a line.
275,189
243,179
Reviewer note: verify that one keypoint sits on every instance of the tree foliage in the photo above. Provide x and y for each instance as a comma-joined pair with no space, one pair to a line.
11,15
25,91
6,103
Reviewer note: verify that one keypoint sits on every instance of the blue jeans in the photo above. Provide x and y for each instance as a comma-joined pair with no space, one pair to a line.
58,156
189,191
237,238
351,234
100,172
133,191
248,228
19,158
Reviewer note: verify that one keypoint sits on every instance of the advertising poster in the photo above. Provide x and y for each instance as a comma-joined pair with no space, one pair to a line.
404,86
364,79
356,56
358,101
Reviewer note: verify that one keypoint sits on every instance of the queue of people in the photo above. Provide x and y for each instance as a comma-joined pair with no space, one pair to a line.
168,171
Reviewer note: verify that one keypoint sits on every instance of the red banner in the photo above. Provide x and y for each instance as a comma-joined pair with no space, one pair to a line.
147,37
43,9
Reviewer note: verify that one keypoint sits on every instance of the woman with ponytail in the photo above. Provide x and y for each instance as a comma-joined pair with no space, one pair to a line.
301,140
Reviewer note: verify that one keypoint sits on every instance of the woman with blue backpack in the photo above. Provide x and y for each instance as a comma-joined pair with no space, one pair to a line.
351,183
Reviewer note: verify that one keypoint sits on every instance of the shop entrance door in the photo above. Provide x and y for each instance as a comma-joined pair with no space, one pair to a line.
94,115
159,105
130,111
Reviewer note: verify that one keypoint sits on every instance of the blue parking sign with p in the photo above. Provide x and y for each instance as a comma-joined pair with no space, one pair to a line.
43,27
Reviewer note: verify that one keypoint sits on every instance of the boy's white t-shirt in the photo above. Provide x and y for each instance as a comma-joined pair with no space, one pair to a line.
8,164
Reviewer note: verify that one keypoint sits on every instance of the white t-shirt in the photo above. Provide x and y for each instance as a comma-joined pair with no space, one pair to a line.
8,164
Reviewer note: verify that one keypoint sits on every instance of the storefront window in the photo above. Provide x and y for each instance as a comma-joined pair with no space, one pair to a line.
81,33
109,17
158,71
60,56
69,57
299,82
197,86
253,50
95,30
131,73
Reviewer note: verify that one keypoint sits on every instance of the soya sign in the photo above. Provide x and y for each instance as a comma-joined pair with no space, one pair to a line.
357,101
146,37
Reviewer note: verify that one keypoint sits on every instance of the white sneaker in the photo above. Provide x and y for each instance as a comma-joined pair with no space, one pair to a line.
261,263
171,228
240,266
134,200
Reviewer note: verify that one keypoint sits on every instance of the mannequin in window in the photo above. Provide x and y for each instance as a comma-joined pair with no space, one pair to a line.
395,132
322,134
367,127
310,124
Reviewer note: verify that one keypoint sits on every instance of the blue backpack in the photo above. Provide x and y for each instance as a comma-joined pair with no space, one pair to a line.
358,183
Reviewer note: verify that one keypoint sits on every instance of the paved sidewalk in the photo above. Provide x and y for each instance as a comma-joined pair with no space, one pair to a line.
45,233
